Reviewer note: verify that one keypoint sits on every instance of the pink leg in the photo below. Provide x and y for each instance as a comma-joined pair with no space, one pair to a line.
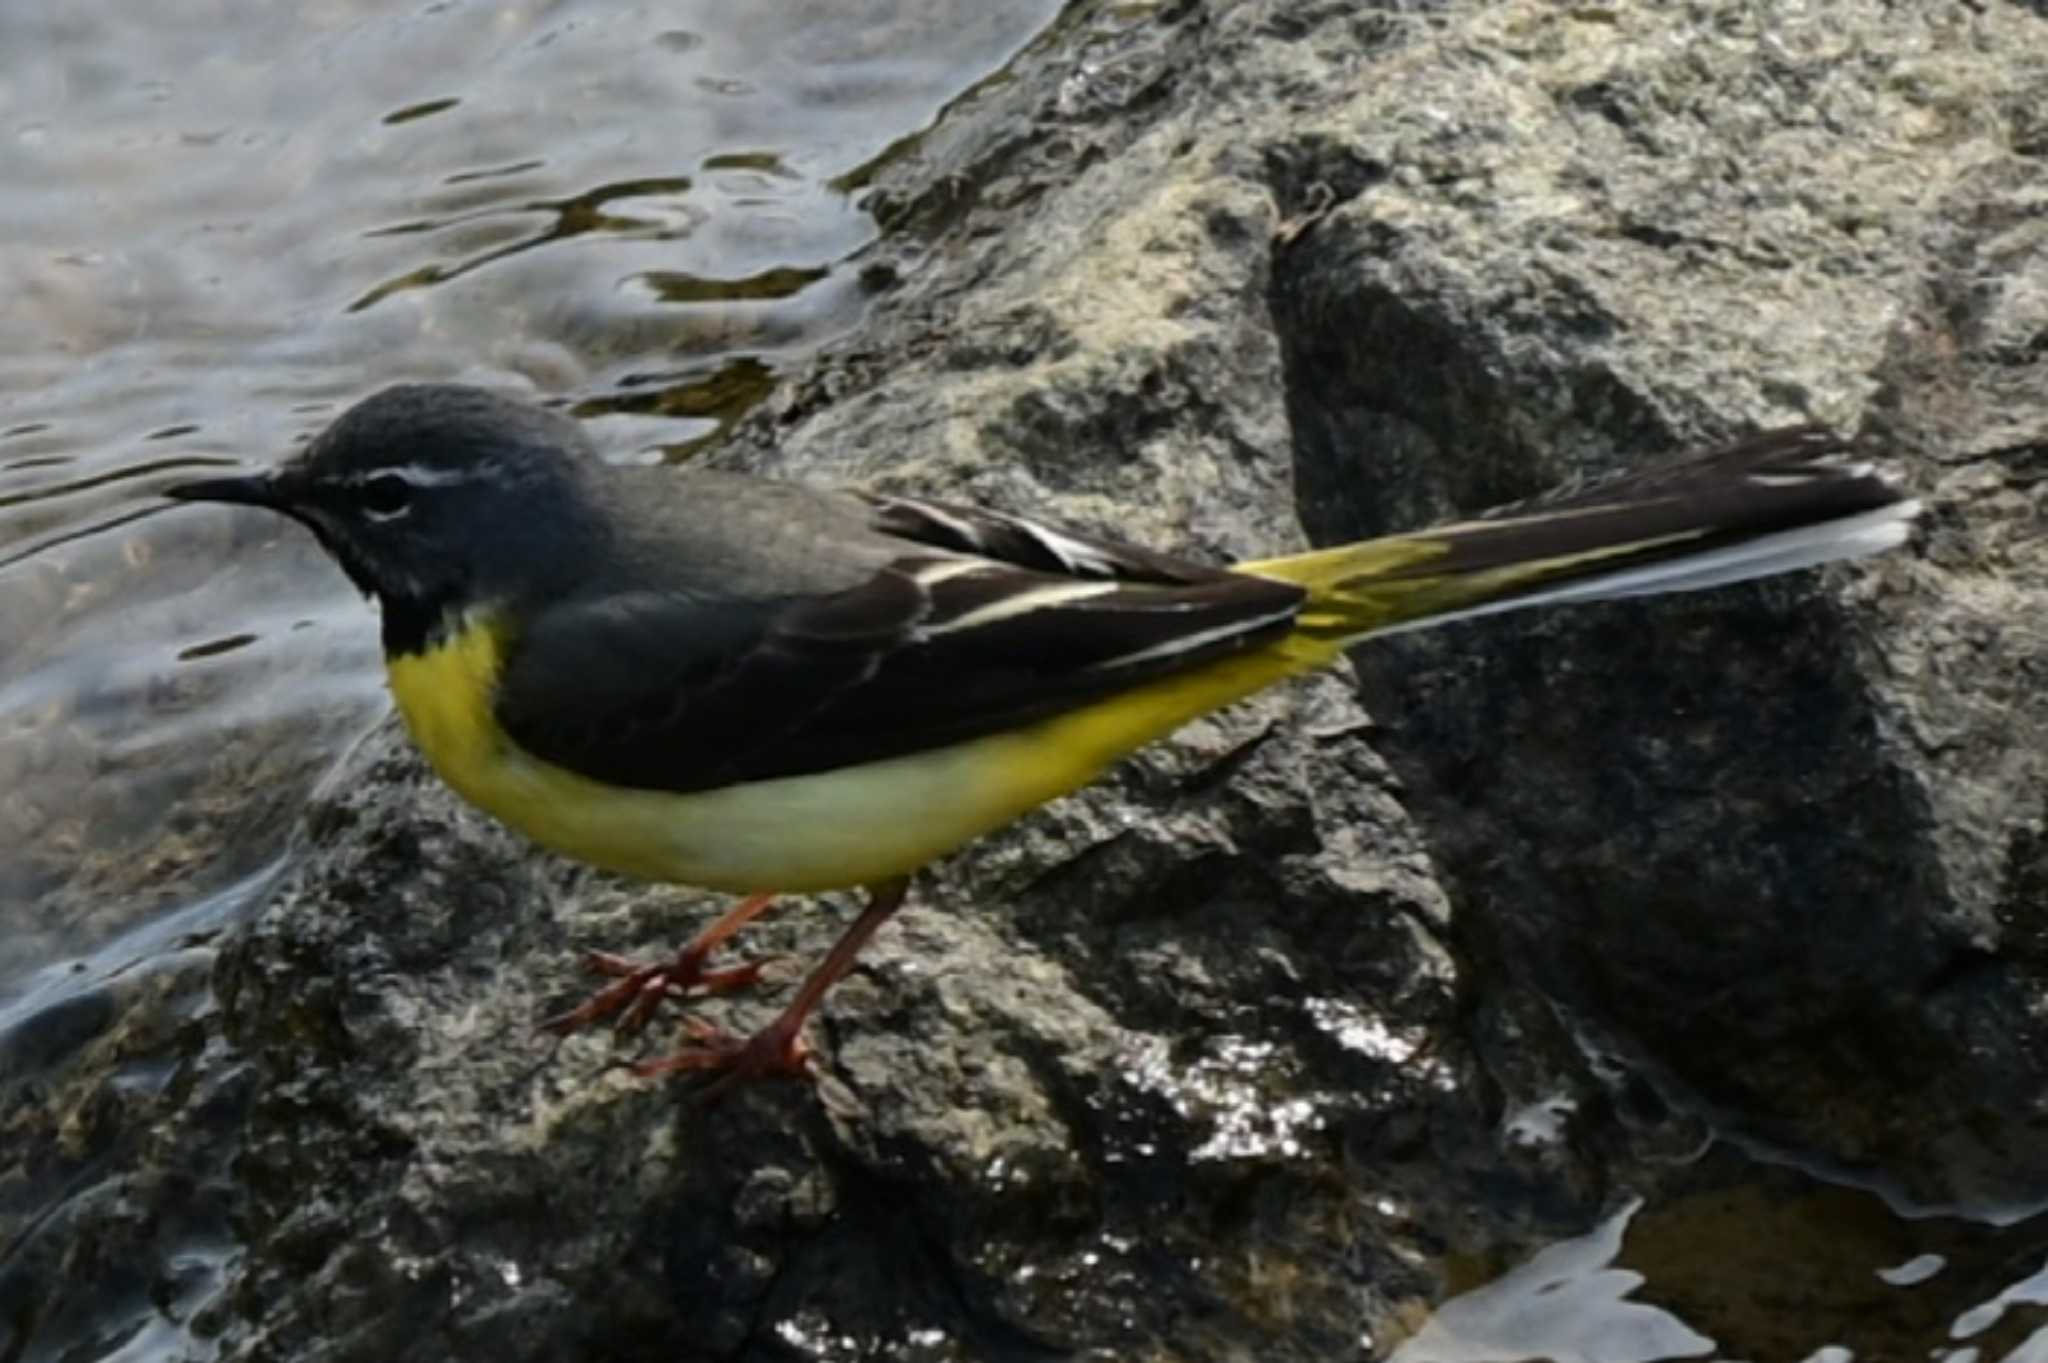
779,1048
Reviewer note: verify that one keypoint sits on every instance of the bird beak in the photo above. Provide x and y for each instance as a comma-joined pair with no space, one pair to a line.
259,490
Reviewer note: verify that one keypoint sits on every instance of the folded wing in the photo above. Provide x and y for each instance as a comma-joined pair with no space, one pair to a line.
984,623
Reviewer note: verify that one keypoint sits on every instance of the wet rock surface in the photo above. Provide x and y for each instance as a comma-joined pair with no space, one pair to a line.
1246,1050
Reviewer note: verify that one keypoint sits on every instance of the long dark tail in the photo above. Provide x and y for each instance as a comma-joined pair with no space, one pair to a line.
1783,500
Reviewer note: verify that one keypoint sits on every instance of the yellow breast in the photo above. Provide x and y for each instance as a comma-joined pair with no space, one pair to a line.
854,826
445,694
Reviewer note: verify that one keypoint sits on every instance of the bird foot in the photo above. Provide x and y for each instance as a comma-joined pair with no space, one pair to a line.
776,1051
640,988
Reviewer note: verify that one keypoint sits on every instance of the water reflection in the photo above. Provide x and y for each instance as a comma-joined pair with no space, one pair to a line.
2031,1290
1567,1303
1766,1266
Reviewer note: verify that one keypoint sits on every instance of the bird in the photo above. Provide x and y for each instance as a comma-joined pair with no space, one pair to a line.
770,688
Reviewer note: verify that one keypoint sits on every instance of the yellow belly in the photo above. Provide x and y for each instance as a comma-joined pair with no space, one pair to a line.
854,826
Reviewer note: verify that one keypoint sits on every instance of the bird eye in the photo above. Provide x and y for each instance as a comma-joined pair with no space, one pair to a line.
385,495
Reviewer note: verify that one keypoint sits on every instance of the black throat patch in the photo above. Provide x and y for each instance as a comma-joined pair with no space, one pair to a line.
413,626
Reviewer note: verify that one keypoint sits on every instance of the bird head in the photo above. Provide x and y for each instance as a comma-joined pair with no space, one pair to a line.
435,498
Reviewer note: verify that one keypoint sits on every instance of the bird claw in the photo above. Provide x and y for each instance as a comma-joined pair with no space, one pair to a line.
640,988
776,1051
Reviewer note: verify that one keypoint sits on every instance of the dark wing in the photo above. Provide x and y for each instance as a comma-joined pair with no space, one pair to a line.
984,623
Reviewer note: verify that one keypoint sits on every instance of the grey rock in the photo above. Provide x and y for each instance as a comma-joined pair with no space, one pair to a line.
1763,841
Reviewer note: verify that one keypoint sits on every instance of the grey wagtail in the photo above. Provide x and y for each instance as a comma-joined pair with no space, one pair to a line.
760,687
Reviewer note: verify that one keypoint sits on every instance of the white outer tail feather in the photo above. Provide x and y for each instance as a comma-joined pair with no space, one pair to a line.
1872,532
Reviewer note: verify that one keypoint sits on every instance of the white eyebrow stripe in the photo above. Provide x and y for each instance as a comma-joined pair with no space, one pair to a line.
1188,642
1022,603
419,475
